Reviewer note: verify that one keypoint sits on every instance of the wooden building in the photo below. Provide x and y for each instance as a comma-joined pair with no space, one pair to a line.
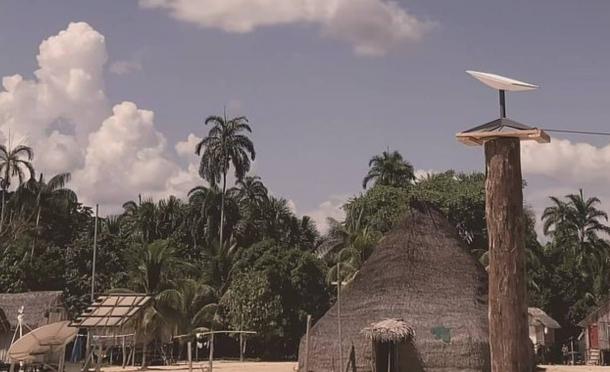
541,327
36,309
596,335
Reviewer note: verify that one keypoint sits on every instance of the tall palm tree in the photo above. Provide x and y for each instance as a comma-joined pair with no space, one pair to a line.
576,225
226,145
206,203
47,195
14,163
389,169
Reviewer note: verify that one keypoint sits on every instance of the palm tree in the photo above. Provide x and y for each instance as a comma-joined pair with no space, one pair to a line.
575,225
47,196
205,204
14,163
142,219
188,306
389,169
226,145
251,191
352,242
158,259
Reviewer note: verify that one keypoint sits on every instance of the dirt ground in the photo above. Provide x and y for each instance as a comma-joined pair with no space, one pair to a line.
220,366
575,368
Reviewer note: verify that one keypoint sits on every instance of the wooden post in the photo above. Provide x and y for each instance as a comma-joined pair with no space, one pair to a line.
307,340
189,354
123,350
98,362
211,359
508,329
62,359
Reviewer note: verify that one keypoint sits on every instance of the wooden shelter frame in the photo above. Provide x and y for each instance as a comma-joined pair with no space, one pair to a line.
110,313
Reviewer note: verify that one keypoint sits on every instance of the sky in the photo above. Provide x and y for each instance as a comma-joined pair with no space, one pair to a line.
116,92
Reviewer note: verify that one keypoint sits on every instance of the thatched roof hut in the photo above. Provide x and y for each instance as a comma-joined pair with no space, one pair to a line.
389,330
38,307
420,272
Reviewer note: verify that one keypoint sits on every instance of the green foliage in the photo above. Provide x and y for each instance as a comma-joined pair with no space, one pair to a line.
290,277
252,305
380,207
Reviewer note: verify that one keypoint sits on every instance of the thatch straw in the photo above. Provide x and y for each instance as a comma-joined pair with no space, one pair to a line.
389,330
420,272
537,315
36,306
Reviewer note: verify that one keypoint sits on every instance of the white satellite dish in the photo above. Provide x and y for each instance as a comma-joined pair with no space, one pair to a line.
501,82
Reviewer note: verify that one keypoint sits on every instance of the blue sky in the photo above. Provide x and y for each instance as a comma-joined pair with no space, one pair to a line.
324,88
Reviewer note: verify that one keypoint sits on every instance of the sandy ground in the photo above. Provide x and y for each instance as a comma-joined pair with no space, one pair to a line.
223,366
575,368
220,366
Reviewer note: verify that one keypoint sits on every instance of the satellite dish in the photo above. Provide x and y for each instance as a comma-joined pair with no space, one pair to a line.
501,82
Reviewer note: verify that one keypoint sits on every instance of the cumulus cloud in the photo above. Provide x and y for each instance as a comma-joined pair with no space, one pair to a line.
563,159
66,117
125,155
186,149
372,27
68,86
563,167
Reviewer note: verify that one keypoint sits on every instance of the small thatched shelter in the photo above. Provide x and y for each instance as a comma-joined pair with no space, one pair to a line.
541,327
392,346
421,273
39,308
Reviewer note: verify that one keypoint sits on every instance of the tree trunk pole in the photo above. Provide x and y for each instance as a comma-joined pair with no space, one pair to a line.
211,356
307,341
508,329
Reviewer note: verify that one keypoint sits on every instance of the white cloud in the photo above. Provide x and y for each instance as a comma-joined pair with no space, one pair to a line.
330,208
124,67
564,160
186,149
126,155
563,167
372,27
66,117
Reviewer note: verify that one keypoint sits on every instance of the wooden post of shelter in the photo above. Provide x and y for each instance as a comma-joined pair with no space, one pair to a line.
62,359
508,319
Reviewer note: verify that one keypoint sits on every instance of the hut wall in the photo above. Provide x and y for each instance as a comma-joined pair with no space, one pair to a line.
603,322
421,273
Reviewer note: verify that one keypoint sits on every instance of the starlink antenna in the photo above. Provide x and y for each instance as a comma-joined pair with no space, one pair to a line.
502,127
502,84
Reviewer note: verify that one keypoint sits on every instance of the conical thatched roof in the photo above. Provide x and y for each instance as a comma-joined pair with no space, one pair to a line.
389,330
36,306
422,274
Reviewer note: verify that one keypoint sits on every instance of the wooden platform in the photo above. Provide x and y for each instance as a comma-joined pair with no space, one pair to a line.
479,138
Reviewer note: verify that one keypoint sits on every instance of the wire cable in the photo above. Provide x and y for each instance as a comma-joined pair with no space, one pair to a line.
577,132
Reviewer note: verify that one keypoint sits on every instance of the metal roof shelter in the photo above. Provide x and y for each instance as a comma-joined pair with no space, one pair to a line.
107,319
112,310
